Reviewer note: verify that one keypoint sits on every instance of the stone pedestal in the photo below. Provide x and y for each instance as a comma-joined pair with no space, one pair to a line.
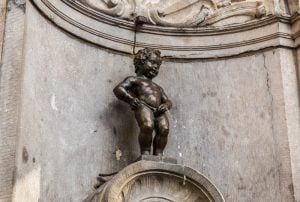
151,179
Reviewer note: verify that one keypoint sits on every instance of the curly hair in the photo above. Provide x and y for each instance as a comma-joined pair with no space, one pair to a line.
145,54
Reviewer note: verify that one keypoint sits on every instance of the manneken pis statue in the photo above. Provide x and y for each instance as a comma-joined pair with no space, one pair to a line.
148,100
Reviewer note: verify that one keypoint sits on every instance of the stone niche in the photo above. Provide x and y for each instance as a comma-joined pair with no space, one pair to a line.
230,67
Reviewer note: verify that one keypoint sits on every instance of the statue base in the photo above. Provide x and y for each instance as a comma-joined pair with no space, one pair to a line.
155,177
157,159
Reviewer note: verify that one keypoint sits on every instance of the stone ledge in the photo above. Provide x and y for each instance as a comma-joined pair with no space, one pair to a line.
157,159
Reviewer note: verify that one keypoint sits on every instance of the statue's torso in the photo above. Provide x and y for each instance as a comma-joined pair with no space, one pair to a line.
147,91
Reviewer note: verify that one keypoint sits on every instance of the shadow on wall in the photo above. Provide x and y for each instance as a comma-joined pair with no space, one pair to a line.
120,120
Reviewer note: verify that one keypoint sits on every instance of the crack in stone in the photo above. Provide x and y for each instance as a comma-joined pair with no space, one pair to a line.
269,88
272,118
269,92
267,76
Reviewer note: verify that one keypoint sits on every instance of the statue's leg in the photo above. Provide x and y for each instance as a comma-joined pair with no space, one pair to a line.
161,137
145,119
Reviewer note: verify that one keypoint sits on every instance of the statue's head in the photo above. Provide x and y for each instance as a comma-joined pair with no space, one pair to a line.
147,62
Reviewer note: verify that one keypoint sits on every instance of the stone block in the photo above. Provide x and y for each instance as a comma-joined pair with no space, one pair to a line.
157,159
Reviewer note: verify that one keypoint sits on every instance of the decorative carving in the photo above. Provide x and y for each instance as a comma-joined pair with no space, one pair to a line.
148,100
176,42
149,181
187,13
241,11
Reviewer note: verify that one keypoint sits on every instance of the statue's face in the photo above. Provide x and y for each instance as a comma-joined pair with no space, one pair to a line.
151,67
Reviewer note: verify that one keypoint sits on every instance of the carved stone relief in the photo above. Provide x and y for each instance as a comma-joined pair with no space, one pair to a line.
293,5
188,13
117,33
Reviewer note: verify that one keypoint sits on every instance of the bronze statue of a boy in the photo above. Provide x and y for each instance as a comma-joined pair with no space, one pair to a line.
148,100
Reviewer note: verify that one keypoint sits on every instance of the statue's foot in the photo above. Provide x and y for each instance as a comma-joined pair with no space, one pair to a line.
146,152
158,153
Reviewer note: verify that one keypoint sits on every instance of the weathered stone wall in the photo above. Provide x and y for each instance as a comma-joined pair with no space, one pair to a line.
11,42
232,119
235,119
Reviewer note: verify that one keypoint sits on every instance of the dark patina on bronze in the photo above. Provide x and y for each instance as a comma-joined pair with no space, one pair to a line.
148,100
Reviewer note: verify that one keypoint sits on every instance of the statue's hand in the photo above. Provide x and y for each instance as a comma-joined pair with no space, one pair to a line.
134,103
162,108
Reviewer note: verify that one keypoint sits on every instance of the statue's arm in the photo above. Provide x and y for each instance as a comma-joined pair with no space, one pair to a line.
165,100
121,91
